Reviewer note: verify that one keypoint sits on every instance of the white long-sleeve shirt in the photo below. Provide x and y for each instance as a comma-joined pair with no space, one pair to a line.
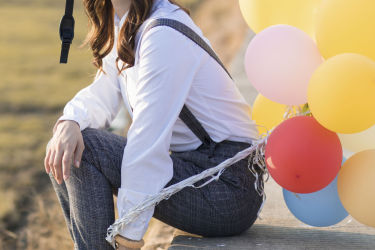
169,70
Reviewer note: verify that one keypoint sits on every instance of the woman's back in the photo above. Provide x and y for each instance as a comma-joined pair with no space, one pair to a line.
212,95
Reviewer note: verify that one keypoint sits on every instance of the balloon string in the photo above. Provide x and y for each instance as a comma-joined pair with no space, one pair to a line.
295,110
263,134
290,111
257,166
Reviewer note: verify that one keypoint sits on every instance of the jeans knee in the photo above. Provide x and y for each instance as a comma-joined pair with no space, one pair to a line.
90,139
88,134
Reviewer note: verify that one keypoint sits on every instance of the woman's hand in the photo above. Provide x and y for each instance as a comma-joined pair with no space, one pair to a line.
65,146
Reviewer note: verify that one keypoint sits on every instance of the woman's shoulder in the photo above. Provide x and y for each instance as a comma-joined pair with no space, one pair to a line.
165,33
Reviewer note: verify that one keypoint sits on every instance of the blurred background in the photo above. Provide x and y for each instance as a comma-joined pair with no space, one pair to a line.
34,88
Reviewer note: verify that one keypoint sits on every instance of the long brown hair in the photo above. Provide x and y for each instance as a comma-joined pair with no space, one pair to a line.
101,35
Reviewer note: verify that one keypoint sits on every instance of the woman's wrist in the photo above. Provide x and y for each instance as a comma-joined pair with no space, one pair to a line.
61,121
128,243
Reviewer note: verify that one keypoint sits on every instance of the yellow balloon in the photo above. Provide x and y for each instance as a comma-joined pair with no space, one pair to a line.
260,14
346,27
341,93
267,114
359,141
356,185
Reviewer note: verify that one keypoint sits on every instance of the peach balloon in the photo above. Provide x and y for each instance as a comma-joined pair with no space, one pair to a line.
356,186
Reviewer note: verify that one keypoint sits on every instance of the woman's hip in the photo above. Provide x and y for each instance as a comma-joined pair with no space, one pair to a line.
237,175
226,206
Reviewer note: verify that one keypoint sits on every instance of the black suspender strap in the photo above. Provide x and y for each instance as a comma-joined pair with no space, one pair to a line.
66,31
188,32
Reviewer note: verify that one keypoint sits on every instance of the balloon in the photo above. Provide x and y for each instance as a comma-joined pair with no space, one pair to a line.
302,156
341,93
360,141
356,186
267,114
279,62
260,14
318,209
346,27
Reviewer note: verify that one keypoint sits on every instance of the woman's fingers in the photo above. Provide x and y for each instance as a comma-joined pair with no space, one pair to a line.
50,163
78,153
57,165
46,161
66,163
67,145
48,155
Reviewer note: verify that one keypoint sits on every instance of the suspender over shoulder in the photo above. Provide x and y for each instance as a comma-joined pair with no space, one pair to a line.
188,32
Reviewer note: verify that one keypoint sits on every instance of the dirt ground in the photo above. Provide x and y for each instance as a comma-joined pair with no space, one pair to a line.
222,23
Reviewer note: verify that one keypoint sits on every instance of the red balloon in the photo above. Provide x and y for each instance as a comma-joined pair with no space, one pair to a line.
302,156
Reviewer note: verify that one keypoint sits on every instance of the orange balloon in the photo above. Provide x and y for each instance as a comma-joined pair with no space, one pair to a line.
356,185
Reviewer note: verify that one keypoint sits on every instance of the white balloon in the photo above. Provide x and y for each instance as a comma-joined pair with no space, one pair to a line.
360,141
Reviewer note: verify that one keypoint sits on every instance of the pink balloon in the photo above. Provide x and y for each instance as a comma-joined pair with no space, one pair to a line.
279,62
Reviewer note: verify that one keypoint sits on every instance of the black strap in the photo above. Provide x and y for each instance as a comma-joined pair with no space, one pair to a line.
188,32
64,52
66,31
69,7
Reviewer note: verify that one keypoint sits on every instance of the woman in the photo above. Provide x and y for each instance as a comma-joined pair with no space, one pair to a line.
154,72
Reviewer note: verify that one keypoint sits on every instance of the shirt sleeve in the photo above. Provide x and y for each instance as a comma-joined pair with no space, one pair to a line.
96,105
167,66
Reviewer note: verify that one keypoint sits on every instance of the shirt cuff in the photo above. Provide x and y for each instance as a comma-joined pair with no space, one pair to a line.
127,200
82,123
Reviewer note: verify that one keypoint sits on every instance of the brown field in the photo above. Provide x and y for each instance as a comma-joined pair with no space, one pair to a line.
33,90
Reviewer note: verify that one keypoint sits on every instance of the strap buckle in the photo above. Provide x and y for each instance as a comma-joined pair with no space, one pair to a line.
66,32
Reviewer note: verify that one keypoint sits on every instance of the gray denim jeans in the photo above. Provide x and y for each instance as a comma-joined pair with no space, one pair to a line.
225,207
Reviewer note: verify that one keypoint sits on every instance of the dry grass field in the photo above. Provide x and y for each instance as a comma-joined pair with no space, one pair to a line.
33,90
